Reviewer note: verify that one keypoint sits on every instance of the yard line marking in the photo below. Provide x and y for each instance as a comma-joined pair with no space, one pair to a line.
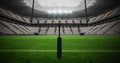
91,50
28,50
62,50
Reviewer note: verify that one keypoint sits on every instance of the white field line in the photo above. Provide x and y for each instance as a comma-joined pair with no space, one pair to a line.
62,50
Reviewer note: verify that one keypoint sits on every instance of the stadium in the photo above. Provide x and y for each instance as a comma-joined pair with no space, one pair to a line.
59,31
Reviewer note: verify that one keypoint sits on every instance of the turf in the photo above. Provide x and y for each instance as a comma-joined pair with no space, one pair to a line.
76,49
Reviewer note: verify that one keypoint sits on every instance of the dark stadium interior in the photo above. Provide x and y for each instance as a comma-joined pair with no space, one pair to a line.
59,31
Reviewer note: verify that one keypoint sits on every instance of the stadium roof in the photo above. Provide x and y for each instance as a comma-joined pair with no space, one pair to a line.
44,7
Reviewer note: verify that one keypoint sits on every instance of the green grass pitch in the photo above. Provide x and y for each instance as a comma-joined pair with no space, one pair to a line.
76,49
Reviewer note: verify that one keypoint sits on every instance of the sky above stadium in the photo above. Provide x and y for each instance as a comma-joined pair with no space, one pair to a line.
23,7
59,6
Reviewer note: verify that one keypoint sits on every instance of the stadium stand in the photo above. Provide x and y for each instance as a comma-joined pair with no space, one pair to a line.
106,28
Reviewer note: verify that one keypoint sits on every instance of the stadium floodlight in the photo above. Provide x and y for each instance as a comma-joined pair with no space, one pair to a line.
70,11
54,12
49,12
59,11
66,12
